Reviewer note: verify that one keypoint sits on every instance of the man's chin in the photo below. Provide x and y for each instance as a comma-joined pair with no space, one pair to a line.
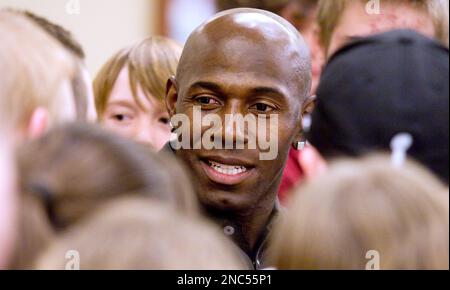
226,201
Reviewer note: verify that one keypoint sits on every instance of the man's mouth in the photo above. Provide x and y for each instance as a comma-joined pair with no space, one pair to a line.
226,174
227,169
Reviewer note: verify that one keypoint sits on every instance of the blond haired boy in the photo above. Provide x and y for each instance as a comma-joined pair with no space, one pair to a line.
130,90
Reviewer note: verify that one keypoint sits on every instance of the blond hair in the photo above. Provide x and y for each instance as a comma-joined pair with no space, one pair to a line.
330,13
150,64
135,234
38,69
363,206
65,38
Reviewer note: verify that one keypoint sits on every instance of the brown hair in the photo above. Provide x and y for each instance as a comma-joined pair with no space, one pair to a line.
150,64
64,37
361,206
74,169
274,6
134,234
38,70
330,13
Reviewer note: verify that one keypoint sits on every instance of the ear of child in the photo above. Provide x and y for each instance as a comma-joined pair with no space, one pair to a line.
38,124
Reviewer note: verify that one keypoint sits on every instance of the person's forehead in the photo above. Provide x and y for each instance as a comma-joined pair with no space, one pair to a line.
239,58
356,22
241,78
121,90
246,50
251,24
393,15
238,85
123,95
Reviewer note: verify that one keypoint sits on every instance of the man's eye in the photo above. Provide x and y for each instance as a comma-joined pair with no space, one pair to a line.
205,100
262,108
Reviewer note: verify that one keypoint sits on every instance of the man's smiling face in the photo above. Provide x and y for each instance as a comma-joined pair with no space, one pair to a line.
241,64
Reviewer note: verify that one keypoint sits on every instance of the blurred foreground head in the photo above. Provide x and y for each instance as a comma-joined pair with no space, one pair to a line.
137,234
67,174
36,92
81,81
8,194
381,86
361,209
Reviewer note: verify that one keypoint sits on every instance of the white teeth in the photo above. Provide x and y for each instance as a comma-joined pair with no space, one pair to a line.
227,169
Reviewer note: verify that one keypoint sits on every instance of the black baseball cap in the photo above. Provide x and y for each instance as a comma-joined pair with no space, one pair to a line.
380,86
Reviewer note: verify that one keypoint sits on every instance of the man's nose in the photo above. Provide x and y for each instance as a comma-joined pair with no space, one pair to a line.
233,130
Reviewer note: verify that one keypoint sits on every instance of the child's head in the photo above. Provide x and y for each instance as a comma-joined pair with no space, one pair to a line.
341,21
35,91
363,206
81,82
130,91
371,91
67,174
136,234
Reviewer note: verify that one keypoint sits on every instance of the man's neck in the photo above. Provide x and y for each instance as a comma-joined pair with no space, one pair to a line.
247,228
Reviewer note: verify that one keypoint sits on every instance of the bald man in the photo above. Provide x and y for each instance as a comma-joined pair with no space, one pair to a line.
242,62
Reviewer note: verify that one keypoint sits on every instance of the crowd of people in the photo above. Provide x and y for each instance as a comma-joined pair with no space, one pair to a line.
92,177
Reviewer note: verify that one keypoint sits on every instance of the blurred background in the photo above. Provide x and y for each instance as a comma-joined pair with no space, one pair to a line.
105,26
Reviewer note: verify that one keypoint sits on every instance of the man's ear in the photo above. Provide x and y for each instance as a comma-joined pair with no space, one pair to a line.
171,95
307,109
38,123
299,137
308,105
311,162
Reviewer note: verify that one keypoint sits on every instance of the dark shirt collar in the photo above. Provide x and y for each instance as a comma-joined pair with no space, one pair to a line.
256,258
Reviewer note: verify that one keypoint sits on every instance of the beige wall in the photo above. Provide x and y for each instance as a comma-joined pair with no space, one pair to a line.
102,26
